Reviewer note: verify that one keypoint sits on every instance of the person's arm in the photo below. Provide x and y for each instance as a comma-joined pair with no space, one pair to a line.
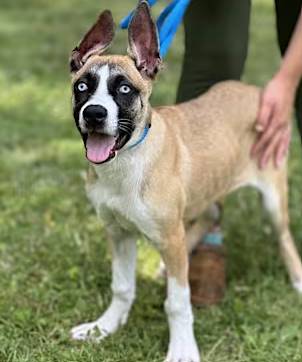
276,103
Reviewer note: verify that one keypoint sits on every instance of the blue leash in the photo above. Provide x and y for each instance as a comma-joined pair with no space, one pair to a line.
167,23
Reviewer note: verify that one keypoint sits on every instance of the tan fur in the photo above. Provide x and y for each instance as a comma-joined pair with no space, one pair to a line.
198,152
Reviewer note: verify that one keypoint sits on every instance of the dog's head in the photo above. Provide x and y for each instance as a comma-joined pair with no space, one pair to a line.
111,92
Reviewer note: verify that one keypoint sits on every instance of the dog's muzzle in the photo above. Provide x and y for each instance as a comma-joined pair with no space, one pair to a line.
100,146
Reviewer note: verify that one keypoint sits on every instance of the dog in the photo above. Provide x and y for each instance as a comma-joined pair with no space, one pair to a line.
156,171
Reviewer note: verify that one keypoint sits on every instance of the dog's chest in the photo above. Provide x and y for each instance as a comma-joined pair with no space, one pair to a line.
118,195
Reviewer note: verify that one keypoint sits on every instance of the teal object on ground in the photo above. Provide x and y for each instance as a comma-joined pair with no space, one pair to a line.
215,238
167,23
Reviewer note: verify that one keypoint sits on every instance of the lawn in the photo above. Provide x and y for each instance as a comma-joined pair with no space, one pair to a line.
54,265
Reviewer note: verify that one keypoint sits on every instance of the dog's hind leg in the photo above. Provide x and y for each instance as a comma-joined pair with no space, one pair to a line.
195,232
182,346
273,186
123,289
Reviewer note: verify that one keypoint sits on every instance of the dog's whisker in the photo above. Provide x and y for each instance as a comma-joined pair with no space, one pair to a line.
126,125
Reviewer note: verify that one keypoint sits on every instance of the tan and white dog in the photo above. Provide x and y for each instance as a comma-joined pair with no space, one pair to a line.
155,171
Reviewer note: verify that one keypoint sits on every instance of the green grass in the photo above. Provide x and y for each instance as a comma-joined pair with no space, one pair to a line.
54,267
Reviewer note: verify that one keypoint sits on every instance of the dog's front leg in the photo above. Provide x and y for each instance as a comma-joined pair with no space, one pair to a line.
182,345
123,289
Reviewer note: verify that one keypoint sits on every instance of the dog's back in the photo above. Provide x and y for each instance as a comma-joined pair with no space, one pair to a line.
223,115
217,130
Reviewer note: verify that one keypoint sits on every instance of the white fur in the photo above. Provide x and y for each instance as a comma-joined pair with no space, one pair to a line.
182,346
271,197
298,286
117,191
123,288
103,98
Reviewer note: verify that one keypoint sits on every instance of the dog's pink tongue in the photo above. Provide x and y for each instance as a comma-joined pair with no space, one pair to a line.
98,147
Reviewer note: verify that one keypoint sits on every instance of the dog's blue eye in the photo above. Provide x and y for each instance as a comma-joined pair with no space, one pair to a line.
82,87
124,89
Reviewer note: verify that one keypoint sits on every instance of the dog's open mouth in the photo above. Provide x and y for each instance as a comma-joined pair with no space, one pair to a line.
101,148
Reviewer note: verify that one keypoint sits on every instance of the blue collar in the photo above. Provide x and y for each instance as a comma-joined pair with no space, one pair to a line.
142,137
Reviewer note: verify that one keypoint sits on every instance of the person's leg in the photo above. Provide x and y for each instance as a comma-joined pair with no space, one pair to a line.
287,14
298,107
216,41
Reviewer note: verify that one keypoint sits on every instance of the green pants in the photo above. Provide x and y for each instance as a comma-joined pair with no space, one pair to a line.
216,42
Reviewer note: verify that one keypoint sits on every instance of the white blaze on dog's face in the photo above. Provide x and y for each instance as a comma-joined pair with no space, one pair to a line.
111,93
99,103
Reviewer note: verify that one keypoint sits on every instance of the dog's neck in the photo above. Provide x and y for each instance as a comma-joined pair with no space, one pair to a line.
142,137
141,132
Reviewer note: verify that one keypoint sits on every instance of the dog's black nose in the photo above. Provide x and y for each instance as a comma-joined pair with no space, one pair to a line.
95,116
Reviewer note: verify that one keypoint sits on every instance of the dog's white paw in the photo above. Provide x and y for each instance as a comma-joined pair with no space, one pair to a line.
114,317
298,286
183,352
89,332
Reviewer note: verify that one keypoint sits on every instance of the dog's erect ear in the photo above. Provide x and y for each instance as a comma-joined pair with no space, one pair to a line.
96,41
143,41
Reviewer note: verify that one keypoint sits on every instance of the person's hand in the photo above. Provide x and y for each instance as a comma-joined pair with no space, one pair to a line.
274,121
